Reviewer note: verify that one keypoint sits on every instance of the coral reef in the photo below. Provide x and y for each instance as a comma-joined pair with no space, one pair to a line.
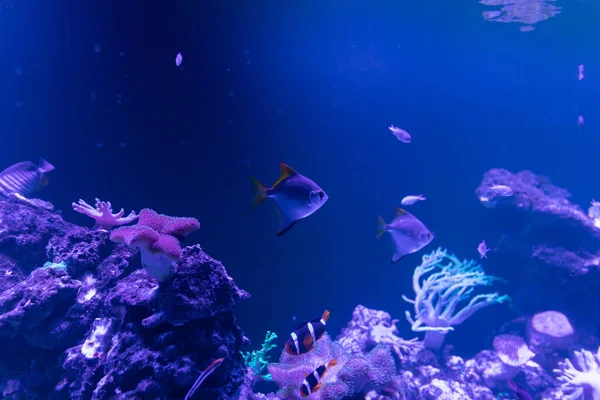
91,324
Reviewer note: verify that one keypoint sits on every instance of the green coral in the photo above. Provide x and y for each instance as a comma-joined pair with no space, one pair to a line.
60,266
258,360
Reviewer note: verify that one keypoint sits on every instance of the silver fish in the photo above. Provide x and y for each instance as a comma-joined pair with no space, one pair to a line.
24,178
295,197
408,232
410,200
400,134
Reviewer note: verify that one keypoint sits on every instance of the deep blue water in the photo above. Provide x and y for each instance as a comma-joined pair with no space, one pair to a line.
313,84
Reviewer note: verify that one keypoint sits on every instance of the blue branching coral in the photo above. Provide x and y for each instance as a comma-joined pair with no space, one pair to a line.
438,294
258,360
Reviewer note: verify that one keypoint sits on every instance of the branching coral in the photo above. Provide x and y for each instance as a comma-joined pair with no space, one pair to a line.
156,237
103,214
438,295
582,377
258,360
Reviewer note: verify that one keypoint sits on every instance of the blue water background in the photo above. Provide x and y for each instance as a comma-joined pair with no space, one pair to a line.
313,84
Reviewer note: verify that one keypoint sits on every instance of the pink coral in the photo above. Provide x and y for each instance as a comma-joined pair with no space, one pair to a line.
103,214
156,236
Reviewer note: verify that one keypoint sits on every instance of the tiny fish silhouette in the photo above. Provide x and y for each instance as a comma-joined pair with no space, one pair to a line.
410,200
178,59
482,249
400,134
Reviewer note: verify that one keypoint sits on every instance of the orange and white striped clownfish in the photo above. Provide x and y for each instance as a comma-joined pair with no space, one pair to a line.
312,382
303,338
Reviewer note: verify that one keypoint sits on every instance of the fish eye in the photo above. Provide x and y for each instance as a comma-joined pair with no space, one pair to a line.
321,195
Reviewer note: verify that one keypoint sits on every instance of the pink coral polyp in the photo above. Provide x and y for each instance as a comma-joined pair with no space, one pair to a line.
154,236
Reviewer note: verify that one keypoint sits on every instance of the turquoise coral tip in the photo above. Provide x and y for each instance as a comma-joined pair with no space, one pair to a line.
258,360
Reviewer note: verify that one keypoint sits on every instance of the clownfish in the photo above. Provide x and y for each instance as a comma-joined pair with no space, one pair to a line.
312,382
303,338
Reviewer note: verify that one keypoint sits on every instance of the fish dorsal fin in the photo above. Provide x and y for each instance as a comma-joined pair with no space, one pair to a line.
286,172
400,211
326,316
22,166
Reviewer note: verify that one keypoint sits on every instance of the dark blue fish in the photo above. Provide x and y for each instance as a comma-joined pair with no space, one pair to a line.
303,338
312,383
295,197
24,178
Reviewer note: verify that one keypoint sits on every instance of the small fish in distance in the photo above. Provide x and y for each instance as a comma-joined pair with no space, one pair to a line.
303,338
312,382
410,200
178,59
408,232
400,134
295,197
482,249
25,178
502,190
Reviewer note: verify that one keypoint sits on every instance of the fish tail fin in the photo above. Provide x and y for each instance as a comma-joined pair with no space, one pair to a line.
381,227
260,191
45,166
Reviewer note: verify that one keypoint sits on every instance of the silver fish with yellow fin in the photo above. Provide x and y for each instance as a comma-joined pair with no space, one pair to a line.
24,178
408,232
295,197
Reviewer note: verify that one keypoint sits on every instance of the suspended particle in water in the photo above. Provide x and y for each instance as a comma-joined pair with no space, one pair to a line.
580,71
122,53
526,28
230,94
230,122
93,96
122,145
119,99
178,59
580,120
18,70
100,145
97,48
19,104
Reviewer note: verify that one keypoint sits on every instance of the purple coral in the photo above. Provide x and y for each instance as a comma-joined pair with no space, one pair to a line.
550,329
156,237
103,214
354,375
